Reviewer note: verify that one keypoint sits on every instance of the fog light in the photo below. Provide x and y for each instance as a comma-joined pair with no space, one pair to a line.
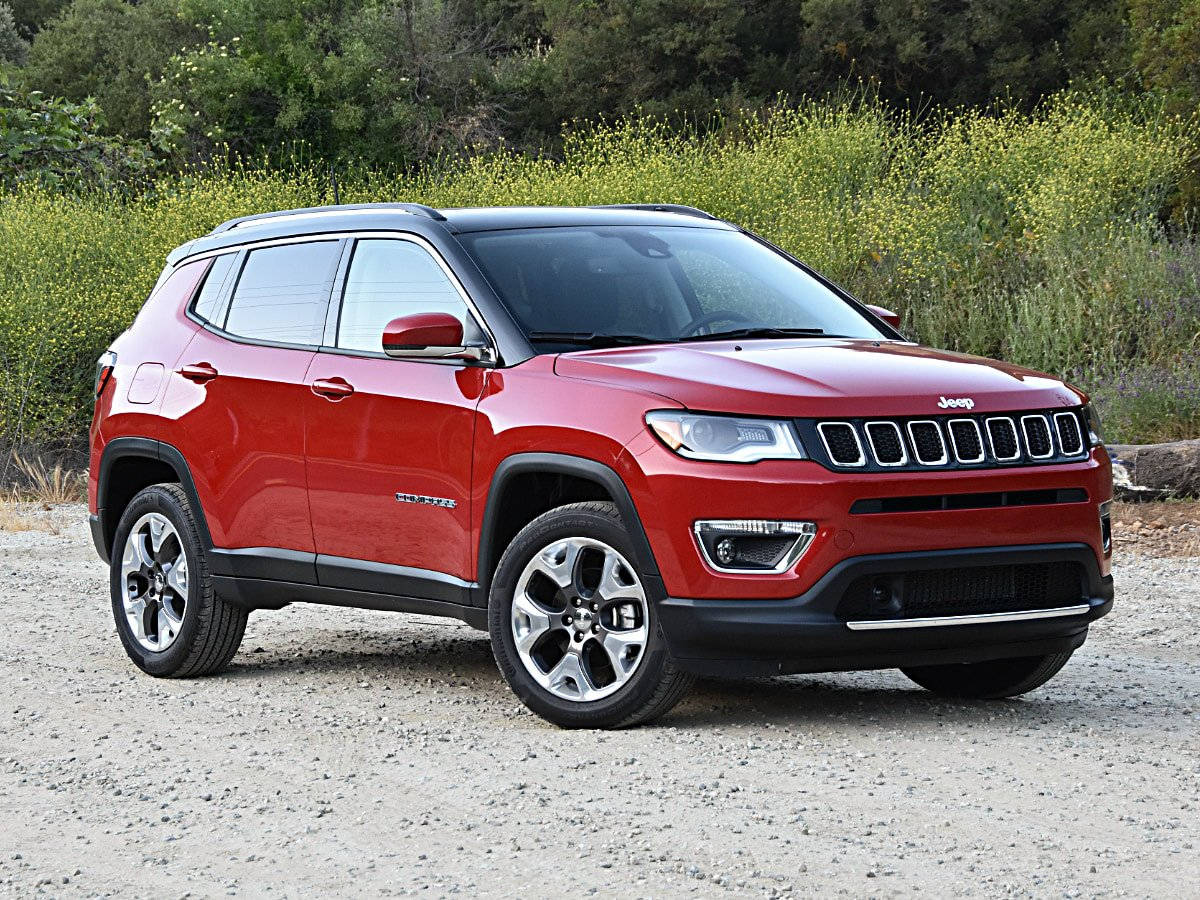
753,545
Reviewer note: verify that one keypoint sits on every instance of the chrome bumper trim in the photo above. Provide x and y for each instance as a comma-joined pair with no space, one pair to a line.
976,619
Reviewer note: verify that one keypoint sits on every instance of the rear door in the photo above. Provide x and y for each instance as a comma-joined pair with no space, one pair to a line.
238,400
389,441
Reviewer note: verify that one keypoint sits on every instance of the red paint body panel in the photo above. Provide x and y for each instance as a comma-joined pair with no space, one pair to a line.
242,434
819,378
407,427
158,334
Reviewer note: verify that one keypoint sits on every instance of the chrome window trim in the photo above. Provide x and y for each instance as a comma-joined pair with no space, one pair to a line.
899,436
954,442
350,236
1083,444
1049,436
862,456
1007,420
945,458
972,619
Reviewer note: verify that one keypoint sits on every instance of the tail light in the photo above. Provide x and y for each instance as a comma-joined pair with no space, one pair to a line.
104,369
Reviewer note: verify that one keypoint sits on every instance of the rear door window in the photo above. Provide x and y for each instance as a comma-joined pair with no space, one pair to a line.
283,293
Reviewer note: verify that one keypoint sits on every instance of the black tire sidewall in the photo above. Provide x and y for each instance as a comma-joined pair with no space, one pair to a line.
161,500
610,711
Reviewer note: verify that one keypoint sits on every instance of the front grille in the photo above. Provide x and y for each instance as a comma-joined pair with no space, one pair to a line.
1070,436
928,446
958,442
1037,436
960,592
886,443
841,442
993,500
968,444
1003,435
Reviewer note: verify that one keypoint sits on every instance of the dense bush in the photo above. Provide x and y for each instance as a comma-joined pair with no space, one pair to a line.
1031,237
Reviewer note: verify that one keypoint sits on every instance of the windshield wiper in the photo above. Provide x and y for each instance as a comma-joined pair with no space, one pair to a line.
760,332
594,339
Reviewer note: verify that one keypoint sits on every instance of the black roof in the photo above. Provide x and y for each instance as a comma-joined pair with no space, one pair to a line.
420,219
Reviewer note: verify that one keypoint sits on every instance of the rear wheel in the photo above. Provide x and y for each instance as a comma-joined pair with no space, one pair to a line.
993,679
170,621
573,628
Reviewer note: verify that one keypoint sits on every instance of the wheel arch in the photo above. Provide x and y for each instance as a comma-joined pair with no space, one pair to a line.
525,485
128,465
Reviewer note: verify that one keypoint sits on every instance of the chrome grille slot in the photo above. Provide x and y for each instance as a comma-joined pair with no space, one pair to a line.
842,443
1037,436
1002,435
929,447
966,440
887,443
960,440
1070,436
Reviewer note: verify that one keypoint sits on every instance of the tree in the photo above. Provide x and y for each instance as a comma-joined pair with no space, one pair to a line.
1166,48
387,82
13,47
109,50
57,143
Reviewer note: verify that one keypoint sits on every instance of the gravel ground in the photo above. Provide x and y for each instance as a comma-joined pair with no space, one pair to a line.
381,754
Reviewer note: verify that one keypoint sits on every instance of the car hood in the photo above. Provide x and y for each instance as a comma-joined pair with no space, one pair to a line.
820,378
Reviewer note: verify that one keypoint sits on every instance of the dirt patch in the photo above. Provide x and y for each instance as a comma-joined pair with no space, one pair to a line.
1164,529
352,751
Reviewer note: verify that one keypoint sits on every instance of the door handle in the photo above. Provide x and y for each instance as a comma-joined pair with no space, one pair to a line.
332,388
198,372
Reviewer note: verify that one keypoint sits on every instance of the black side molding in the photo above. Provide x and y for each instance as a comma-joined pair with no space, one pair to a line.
561,464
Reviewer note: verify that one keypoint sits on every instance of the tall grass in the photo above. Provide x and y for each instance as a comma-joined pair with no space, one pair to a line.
1032,237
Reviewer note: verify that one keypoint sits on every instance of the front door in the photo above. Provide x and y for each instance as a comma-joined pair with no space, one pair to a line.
389,441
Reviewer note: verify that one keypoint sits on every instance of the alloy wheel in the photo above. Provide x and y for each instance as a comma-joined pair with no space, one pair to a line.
154,582
579,619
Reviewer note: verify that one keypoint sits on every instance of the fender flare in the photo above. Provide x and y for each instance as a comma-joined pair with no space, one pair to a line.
558,464
104,524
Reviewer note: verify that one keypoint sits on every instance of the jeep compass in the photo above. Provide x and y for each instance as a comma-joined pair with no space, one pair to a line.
634,443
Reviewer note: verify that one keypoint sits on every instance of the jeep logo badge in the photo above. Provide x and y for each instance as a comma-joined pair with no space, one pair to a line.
956,403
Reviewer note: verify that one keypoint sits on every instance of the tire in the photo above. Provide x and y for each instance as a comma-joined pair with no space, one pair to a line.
622,673
186,629
991,680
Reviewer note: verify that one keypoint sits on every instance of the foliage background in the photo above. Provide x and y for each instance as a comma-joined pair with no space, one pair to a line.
1031,236
1017,177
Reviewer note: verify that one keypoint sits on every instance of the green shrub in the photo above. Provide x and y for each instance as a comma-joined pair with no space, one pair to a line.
1034,237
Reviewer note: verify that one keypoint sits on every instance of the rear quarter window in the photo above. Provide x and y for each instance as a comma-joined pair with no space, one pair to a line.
205,306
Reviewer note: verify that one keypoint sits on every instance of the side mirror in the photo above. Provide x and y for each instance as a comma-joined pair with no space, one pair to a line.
428,336
887,315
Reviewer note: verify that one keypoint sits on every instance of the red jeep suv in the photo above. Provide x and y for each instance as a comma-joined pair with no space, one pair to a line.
634,443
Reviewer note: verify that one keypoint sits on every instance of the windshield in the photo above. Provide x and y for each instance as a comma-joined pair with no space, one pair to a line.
575,287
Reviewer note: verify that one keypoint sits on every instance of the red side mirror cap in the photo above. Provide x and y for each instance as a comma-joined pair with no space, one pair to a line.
887,315
423,334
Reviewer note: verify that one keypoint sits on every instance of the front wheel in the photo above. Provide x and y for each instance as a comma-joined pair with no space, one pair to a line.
991,680
573,629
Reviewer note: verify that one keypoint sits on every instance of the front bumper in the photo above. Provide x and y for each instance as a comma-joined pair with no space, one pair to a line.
806,633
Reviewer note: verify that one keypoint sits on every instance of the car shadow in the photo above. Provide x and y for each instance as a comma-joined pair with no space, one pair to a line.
451,654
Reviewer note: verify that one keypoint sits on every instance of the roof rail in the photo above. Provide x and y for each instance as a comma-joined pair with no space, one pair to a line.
415,209
677,208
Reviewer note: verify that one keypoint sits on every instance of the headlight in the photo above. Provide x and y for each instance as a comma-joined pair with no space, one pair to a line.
725,438
1095,432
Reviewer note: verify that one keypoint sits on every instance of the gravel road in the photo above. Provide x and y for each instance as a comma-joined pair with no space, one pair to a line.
374,753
